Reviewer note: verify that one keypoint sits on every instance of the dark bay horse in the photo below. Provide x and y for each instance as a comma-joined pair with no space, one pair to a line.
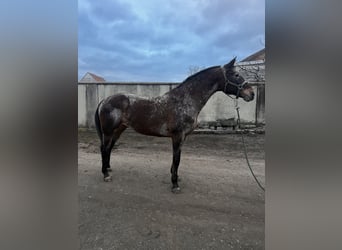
172,115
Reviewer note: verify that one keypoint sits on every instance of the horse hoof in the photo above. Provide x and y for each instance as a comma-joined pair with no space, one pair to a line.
108,178
176,190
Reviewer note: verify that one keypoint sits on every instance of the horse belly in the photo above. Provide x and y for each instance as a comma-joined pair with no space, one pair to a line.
151,127
149,120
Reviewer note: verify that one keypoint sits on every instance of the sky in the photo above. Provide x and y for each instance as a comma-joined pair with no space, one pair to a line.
159,41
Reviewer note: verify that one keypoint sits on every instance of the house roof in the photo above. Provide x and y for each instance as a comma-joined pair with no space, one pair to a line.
95,77
259,55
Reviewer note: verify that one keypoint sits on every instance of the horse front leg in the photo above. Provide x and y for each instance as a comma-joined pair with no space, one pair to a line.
177,142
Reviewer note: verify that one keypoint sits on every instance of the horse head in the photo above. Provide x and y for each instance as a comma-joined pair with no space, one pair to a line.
235,84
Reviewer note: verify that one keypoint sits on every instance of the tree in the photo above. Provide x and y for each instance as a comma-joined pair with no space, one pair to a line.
194,69
253,73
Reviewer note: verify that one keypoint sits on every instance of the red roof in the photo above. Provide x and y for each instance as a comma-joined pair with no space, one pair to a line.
96,78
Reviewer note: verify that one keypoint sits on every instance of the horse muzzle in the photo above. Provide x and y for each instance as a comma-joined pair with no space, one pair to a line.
247,95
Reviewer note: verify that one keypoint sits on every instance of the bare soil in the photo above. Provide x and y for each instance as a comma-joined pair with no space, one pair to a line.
220,205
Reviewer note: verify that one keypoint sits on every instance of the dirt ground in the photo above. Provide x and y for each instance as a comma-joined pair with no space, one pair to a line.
220,205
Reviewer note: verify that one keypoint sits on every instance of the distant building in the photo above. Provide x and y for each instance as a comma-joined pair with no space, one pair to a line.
252,68
90,77
257,56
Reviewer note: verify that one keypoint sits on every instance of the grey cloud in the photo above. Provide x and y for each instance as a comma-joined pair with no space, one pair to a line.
114,37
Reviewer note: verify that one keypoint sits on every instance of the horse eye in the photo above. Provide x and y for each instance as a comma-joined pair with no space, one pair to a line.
236,75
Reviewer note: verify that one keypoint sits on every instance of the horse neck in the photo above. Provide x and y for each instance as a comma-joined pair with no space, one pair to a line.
199,88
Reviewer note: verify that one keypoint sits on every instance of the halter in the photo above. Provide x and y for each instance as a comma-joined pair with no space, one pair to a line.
239,87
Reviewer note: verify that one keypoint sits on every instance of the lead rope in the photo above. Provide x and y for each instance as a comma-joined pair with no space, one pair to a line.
244,145
238,120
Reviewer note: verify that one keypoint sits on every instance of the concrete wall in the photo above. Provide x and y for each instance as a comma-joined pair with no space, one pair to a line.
219,109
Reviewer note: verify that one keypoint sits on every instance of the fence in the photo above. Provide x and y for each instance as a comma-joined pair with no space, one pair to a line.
218,112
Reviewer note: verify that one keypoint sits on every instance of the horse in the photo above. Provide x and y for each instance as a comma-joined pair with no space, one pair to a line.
173,114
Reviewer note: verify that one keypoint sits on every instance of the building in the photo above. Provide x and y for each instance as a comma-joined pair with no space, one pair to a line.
90,77
257,56
252,68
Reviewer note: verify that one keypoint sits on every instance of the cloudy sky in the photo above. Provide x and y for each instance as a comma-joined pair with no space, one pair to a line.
154,40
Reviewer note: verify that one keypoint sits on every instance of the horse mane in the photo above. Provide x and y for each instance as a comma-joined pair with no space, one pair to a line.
198,73
195,75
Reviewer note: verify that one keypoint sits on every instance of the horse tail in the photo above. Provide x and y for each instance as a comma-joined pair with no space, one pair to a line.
98,123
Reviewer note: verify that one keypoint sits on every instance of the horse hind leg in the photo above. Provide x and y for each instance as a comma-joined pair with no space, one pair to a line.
111,128
109,141
116,135
106,148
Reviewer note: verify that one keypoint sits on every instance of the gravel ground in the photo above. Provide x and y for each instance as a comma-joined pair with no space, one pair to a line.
220,205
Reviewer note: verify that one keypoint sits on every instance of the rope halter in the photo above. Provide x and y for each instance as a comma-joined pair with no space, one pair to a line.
239,86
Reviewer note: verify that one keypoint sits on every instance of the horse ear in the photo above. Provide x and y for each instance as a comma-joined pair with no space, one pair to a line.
230,64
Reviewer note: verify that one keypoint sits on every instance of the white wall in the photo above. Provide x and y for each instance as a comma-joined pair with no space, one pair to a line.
221,107
82,109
